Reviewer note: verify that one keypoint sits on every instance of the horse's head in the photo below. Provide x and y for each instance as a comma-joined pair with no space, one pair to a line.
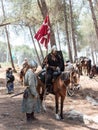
65,77
74,78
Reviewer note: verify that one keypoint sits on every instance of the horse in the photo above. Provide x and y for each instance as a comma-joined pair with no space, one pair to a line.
60,86
93,71
84,65
22,73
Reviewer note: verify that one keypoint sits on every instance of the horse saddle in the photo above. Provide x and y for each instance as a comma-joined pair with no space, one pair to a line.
55,75
42,75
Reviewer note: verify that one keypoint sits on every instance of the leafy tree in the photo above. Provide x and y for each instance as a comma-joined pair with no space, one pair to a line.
27,13
24,51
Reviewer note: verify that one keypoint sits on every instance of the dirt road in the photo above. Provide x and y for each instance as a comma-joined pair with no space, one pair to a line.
11,117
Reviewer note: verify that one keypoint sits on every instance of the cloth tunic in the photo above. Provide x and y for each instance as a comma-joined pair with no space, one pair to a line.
31,104
55,63
10,81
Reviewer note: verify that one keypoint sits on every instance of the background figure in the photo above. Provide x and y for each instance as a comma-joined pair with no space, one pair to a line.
31,101
25,63
10,80
23,70
68,66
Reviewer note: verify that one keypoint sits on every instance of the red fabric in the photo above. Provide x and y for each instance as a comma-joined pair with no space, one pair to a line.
43,34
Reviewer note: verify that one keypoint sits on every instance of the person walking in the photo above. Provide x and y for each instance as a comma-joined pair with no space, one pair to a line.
31,101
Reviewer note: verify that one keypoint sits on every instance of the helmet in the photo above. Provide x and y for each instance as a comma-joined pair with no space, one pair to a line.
33,64
54,48
25,59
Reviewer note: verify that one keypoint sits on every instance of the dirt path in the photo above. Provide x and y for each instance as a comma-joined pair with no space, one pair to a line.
11,117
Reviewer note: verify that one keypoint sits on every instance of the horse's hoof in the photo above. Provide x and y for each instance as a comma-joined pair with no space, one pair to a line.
57,117
62,118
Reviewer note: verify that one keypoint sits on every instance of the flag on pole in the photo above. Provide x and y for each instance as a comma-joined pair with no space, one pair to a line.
43,34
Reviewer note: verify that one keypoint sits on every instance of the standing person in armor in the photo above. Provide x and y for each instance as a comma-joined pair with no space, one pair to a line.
53,66
31,101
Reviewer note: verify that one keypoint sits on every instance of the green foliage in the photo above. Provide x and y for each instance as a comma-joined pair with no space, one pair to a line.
86,30
24,51
27,13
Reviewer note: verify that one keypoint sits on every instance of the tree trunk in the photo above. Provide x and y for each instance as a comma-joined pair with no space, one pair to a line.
44,11
6,31
34,45
67,34
93,17
92,53
58,36
73,29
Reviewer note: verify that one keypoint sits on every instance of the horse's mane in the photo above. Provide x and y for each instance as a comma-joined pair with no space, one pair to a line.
65,75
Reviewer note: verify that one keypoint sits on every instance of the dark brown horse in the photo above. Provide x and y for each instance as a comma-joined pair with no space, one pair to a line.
93,71
60,86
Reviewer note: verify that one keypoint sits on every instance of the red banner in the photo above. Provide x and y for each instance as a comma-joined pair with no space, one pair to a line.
43,34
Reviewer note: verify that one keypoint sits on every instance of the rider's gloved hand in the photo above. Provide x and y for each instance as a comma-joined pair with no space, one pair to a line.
36,96
58,68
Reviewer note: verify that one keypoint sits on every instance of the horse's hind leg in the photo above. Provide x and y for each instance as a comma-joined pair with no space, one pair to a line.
57,107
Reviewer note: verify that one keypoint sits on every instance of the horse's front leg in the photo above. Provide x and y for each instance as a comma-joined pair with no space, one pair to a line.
42,96
61,110
57,107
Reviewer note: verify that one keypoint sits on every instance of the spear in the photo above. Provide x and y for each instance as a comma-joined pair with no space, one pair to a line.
17,94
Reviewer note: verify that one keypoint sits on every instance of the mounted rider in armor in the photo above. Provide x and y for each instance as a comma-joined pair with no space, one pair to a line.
54,64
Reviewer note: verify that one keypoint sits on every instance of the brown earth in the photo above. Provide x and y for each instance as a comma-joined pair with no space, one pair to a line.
11,117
